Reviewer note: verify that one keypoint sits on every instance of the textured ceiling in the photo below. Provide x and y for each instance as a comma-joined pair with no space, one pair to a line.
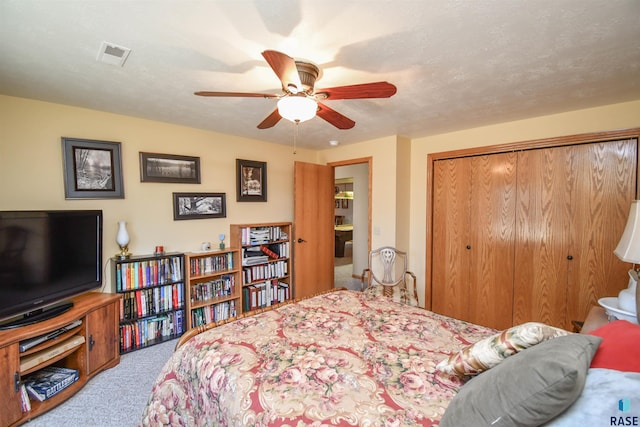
456,64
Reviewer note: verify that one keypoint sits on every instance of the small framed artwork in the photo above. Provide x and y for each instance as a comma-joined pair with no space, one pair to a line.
337,203
155,167
92,169
251,181
345,203
199,205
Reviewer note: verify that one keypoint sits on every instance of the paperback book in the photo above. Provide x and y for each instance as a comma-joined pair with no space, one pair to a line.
49,381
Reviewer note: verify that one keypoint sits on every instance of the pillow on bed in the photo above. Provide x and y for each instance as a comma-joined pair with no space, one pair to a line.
599,401
527,389
487,353
619,348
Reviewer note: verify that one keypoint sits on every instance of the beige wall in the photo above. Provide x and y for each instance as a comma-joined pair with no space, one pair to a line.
31,170
384,172
31,173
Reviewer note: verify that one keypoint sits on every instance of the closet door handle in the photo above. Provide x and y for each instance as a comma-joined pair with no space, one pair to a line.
468,246
569,257
301,241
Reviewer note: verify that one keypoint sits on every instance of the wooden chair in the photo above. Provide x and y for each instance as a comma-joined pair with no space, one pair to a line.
387,275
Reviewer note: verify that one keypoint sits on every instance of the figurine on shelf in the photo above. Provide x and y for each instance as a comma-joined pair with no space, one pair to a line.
221,236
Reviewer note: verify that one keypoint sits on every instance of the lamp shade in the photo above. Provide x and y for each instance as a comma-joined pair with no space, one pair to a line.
122,238
628,248
297,108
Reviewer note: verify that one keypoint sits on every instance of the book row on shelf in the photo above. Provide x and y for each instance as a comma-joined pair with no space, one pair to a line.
213,313
145,332
205,265
269,270
151,301
223,286
260,235
273,251
265,294
147,273
49,381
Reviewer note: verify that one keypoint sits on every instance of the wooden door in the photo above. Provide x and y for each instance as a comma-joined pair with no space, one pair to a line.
474,202
450,237
545,180
313,229
605,185
572,207
492,239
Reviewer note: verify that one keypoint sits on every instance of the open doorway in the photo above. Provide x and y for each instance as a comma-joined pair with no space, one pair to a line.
351,222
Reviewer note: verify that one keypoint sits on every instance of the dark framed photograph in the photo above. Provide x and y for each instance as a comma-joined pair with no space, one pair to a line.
92,169
251,181
199,205
156,167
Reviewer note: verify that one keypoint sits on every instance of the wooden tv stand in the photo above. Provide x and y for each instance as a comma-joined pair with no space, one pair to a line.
99,313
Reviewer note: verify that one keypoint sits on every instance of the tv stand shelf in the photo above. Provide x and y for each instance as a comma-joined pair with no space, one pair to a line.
89,348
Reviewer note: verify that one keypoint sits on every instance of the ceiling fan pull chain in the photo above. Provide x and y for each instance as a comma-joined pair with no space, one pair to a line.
295,135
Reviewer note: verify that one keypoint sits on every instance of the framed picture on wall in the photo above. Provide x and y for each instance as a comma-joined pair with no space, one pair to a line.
92,169
155,167
251,181
199,205
345,203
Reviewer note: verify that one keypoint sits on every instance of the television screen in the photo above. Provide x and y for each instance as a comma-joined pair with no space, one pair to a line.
47,257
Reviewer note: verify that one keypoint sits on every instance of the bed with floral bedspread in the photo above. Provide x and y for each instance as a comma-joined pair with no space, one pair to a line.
341,358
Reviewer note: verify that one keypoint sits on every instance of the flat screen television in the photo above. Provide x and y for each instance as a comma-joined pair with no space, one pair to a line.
46,258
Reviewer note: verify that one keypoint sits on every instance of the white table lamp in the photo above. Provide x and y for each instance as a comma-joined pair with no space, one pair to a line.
628,250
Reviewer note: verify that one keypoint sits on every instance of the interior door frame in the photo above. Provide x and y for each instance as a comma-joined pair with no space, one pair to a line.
501,148
357,161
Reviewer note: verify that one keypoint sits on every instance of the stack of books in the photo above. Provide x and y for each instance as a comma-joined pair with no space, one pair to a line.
49,381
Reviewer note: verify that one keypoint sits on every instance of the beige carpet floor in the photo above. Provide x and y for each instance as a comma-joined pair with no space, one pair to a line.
115,397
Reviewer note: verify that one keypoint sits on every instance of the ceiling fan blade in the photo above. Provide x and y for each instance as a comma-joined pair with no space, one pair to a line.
285,68
237,94
359,91
335,118
271,120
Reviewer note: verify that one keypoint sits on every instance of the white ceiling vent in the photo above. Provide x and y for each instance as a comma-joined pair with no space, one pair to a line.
113,54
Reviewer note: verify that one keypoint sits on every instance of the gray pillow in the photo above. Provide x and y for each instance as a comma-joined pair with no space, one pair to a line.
526,389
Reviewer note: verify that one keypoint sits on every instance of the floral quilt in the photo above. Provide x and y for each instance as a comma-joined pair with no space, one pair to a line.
343,358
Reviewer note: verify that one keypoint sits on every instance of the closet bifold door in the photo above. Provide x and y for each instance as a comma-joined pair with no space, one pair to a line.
545,181
451,260
493,207
474,200
572,207
605,187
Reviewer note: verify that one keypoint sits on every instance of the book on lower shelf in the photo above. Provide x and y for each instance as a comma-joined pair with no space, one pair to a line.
49,381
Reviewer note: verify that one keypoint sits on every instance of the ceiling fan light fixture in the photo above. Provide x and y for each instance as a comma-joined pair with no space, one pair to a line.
297,108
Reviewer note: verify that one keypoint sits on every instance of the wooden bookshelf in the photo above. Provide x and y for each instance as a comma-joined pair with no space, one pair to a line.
265,255
152,309
213,286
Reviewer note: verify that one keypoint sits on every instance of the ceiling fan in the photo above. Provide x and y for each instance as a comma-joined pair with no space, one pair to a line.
300,99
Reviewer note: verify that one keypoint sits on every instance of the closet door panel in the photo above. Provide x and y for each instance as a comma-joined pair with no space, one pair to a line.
450,262
492,237
605,185
545,180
